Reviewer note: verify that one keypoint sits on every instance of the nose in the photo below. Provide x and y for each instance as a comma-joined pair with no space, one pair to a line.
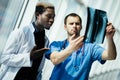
74,24
51,20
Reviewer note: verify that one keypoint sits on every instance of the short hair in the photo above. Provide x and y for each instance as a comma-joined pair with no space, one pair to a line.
73,15
42,6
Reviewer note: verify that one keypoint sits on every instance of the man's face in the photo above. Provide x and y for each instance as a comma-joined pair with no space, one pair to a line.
46,19
73,25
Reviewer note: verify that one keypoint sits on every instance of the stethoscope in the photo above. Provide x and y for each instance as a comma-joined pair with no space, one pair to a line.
75,64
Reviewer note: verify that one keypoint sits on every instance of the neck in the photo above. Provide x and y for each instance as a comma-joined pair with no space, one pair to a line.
39,27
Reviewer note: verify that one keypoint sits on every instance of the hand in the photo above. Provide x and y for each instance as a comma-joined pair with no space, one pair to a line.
35,54
110,30
76,42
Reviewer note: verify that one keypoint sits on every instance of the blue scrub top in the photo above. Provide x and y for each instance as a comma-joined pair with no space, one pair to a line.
77,66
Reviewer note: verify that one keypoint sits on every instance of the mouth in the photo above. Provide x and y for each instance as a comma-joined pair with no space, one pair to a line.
48,27
50,24
73,30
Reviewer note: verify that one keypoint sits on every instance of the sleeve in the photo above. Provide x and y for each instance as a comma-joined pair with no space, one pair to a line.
11,55
54,46
97,53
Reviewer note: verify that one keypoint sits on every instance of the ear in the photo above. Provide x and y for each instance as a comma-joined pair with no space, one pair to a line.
37,15
65,27
81,26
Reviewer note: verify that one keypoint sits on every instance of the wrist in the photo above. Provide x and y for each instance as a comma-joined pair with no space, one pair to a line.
69,49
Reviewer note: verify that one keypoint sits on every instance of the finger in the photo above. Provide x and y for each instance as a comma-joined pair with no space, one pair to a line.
42,49
80,38
109,23
45,48
110,28
72,37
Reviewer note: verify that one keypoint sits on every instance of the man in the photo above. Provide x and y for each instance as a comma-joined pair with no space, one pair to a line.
73,57
24,49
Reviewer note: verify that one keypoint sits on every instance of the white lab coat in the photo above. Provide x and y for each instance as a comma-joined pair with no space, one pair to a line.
16,53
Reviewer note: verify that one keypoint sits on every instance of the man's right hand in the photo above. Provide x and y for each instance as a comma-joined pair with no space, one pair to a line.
76,42
37,53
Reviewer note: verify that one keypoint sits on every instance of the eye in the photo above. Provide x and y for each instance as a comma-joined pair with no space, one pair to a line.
77,23
71,23
50,16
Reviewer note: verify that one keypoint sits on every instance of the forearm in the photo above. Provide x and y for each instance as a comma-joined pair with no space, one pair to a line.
111,49
58,57
110,53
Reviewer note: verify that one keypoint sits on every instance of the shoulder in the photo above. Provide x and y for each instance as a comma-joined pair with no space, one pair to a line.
57,43
26,28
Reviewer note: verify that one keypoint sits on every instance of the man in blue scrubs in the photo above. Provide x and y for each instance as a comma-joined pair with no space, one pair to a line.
73,57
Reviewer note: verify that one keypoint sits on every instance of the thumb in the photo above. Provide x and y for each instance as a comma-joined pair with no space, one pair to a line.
72,37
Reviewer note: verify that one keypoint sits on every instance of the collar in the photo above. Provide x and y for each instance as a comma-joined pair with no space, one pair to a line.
35,27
